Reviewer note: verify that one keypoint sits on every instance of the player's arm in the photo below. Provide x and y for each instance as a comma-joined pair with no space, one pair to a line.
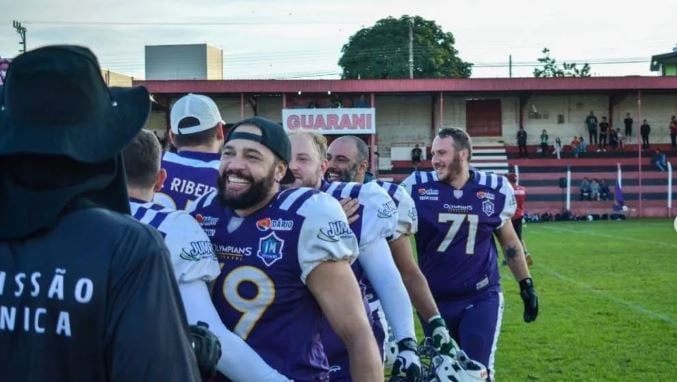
335,288
379,266
326,247
514,255
513,251
238,362
414,281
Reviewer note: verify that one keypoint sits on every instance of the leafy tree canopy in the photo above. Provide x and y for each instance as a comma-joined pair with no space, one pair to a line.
552,69
382,51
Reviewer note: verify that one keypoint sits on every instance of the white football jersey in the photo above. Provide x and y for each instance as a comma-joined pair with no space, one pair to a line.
190,250
378,212
407,217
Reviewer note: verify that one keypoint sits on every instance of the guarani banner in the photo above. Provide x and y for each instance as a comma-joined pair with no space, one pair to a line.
330,121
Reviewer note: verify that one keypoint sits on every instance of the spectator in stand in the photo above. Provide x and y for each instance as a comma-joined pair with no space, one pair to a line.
585,189
673,132
660,160
594,189
575,146
416,154
583,146
520,198
628,125
645,130
613,139
603,190
522,142
544,143
361,102
603,134
621,138
558,147
591,123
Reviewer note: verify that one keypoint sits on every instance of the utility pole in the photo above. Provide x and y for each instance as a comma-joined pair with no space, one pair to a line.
21,30
411,48
510,66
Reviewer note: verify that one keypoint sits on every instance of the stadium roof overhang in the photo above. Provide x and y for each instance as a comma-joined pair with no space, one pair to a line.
475,85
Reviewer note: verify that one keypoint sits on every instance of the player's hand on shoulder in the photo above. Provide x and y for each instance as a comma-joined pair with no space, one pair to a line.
530,299
350,207
407,366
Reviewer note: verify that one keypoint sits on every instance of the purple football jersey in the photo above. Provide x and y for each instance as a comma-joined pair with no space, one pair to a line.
190,175
261,293
455,244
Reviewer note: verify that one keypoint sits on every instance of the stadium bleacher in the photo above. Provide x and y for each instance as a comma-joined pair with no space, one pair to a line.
542,177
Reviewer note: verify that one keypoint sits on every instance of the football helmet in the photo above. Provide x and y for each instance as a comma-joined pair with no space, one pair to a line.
458,367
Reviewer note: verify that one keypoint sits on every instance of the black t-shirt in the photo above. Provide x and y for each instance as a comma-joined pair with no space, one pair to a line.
416,154
628,122
603,126
93,299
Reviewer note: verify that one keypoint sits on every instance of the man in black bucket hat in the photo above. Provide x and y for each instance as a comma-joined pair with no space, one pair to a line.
86,292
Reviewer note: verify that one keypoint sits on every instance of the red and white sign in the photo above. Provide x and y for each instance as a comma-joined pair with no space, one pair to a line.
330,121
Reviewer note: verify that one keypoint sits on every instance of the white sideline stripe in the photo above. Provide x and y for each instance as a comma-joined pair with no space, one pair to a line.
619,301
610,236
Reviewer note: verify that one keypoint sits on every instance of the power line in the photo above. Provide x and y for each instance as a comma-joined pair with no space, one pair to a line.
180,23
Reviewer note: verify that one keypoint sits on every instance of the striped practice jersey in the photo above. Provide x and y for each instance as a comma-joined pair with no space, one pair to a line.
190,175
190,251
378,213
261,293
407,217
455,245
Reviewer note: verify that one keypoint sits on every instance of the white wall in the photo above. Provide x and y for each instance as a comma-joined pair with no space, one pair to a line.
401,119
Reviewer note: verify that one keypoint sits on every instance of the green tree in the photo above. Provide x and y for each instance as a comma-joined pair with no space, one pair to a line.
551,69
382,51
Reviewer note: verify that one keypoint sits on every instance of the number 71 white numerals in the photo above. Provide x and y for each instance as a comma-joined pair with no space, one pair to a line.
456,222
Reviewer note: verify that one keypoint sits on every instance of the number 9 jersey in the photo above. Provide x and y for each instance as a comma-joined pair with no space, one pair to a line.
265,257
454,242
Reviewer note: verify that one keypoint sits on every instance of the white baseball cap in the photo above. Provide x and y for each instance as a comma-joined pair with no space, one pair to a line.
194,113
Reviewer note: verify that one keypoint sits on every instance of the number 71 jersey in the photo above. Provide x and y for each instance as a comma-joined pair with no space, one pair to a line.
454,242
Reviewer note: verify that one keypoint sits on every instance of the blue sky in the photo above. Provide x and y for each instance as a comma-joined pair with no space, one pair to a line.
303,39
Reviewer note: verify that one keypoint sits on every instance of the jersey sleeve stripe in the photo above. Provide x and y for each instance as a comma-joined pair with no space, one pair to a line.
288,198
355,190
499,182
158,219
302,199
494,181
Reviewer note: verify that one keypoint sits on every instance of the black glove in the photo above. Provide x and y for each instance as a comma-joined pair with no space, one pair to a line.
207,349
530,299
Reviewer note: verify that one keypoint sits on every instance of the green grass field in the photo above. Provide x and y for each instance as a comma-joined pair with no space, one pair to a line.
608,304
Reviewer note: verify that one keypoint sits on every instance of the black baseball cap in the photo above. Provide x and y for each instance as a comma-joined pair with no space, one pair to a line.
272,136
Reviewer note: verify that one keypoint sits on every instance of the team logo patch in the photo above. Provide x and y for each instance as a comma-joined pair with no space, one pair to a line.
270,249
428,194
458,194
485,195
488,207
335,231
386,210
266,224
198,250
208,220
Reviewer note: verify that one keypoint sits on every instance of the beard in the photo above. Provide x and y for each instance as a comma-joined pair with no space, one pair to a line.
347,175
454,170
258,190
